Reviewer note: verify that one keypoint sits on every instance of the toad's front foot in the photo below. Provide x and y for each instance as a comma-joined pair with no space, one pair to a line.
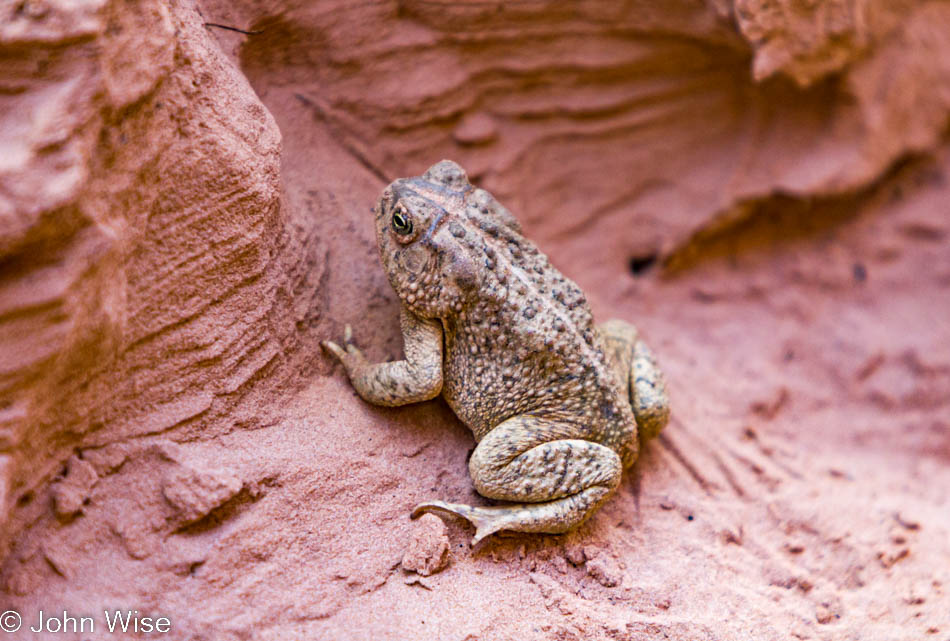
350,355
417,378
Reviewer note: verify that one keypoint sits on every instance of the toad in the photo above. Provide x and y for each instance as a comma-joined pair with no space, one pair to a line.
558,405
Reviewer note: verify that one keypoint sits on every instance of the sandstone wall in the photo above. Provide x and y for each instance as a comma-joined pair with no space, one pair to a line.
150,276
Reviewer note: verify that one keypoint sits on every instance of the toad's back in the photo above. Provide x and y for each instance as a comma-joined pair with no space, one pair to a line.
527,343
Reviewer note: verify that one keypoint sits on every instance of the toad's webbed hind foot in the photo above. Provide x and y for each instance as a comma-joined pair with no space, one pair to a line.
551,517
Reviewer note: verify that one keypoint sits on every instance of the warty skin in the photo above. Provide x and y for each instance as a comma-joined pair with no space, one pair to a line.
558,405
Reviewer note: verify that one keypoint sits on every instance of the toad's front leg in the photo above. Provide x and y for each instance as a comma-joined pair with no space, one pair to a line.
558,481
416,378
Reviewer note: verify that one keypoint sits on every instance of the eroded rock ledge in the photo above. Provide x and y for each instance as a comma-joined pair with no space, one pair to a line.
148,273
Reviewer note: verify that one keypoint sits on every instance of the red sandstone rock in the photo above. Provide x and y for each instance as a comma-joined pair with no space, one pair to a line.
428,548
196,493
70,493
183,216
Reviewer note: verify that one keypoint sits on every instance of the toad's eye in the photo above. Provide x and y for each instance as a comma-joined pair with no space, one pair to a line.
401,223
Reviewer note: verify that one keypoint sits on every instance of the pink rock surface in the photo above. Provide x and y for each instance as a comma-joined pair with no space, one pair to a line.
427,552
72,492
760,186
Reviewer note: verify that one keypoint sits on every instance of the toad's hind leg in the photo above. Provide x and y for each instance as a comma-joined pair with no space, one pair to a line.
636,367
557,481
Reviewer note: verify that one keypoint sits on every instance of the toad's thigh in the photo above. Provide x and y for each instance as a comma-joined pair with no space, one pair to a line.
637,371
530,459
